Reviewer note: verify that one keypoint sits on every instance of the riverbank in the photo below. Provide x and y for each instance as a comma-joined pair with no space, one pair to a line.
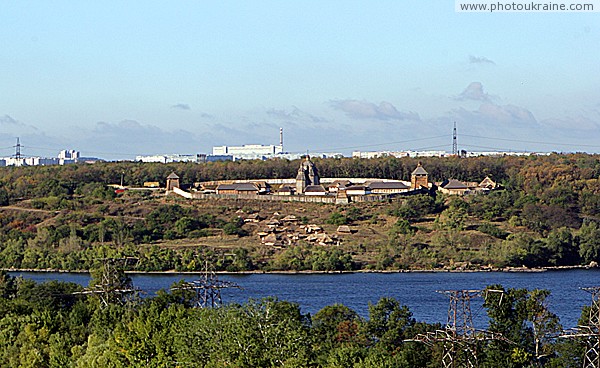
310,272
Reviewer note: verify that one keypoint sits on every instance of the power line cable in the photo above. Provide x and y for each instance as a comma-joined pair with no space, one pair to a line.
534,142
495,148
379,144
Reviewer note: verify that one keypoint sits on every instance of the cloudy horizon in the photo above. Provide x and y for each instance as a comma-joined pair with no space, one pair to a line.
116,80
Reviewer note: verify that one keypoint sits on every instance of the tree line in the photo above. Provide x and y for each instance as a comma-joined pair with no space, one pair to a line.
49,325
546,214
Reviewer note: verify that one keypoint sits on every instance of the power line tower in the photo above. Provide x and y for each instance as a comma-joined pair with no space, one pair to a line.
460,329
18,150
459,337
591,331
454,143
113,286
207,289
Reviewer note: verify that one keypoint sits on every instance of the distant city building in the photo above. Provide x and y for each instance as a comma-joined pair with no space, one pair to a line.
507,153
297,156
400,154
64,157
197,158
167,158
69,155
212,158
249,151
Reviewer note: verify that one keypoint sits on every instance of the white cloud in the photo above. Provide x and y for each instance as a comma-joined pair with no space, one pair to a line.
474,91
574,123
181,106
366,110
129,138
10,123
295,114
480,60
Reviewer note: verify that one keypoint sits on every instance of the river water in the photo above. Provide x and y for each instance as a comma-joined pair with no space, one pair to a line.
417,290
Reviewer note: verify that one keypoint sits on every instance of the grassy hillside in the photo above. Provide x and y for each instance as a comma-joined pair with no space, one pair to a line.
546,214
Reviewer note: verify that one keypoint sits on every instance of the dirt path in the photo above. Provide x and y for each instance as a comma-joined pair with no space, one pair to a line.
15,208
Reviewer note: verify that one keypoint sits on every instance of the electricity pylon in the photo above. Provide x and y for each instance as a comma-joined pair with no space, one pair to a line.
459,337
114,287
207,289
591,331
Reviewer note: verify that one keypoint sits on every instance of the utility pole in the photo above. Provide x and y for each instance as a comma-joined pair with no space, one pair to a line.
207,289
459,337
590,332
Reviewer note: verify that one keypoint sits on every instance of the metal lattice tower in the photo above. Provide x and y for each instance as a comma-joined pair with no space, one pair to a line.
459,337
18,149
114,286
591,331
207,289
454,144
592,354
460,329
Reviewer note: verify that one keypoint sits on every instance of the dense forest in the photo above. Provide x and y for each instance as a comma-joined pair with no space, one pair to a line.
545,213
50,325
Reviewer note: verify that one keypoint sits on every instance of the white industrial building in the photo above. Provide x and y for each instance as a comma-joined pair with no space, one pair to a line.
399,154
251,151
64,157
166,158
248,150
376,154
197,158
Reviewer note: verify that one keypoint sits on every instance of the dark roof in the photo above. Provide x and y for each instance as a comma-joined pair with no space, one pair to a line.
246,187
454,184
227,187
341,183
285,188
172,176
388,185
243,187
314,189
419,171
357,187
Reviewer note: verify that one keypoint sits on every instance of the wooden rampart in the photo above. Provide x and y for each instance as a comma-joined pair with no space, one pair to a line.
282,198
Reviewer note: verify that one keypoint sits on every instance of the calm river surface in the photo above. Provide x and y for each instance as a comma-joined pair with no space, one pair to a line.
356,290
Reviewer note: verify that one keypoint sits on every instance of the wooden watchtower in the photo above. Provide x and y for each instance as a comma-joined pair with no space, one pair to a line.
419,178
172,181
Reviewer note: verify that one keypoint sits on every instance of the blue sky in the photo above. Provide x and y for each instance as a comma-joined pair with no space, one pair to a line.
118,78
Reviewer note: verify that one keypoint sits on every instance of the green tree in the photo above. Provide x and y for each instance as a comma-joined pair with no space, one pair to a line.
523,318
328,324
389,323
589,242
562,248
4,197
337,218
